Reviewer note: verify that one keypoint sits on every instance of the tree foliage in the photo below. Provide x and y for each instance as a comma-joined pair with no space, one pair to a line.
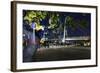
54,19
31,15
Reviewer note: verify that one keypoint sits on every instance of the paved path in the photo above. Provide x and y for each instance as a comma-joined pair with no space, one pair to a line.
68,53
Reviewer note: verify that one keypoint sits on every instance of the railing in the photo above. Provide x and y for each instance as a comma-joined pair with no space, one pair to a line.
73,38
78,38
69,41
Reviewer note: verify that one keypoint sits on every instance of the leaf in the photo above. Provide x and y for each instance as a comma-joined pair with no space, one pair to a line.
31,15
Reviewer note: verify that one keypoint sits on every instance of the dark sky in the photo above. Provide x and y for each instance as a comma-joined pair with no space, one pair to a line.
80,31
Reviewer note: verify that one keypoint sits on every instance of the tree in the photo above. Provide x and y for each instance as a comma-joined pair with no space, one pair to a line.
53,20
35,16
